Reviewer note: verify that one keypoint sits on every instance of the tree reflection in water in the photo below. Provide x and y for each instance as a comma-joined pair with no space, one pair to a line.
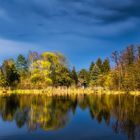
54,113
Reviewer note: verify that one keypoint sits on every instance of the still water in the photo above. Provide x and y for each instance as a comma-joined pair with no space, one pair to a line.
106,117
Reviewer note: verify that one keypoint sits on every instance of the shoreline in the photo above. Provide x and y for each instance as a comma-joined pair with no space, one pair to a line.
65,92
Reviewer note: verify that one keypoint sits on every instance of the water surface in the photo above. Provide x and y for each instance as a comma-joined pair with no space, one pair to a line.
106,117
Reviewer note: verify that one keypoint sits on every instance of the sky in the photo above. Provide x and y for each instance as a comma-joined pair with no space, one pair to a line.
82,30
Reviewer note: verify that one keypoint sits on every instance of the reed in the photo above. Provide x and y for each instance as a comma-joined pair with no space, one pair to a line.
60,91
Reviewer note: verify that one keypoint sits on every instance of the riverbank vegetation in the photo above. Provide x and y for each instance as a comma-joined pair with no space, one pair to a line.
51,69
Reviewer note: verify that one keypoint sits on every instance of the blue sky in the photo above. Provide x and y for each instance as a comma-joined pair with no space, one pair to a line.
82,30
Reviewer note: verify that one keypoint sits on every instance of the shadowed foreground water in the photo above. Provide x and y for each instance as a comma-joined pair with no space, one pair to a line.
106,117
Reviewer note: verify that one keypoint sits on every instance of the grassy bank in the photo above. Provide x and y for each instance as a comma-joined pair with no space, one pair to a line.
64,91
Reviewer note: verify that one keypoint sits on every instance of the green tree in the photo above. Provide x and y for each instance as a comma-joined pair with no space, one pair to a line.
50,68
83,77
91,66
21,65
108,83
62,77
99,63
54,59
2,79
59,72
74,76
94,75
106,66
10,73
40,74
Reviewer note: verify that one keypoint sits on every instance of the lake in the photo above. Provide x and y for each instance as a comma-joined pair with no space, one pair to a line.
94,117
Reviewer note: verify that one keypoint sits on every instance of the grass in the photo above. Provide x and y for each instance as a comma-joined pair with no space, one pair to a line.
63,91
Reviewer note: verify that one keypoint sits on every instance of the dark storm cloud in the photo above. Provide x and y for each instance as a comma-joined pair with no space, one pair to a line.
86,18
107,11
69,26
123,13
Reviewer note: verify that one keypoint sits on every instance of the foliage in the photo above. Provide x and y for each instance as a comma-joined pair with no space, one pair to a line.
10,72
2,79
83,77
127,69
51,69
94,75
21,65
91,66
74,76
62,77
106,66
99,63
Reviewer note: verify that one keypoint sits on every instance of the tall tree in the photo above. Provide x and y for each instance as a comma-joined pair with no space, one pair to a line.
128,55
21,65
94,75
83,77
91,66
2,79
115,58
10,73
74,76
106,66
99,63
62,77
50,68
40,73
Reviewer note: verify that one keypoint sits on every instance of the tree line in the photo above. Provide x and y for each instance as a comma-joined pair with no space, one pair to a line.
51,69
